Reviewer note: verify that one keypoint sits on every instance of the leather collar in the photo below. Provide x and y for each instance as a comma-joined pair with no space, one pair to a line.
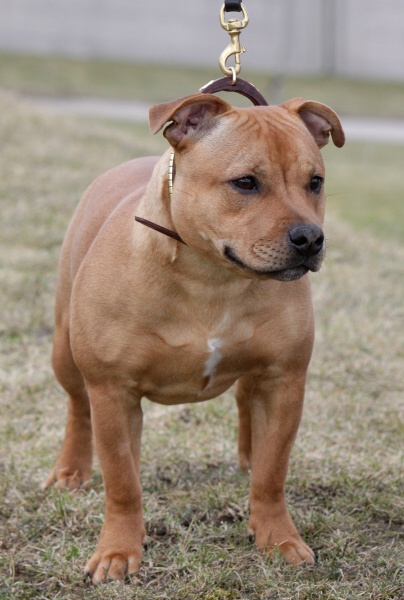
160,229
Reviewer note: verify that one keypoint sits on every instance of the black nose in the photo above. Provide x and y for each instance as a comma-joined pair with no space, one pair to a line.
308,240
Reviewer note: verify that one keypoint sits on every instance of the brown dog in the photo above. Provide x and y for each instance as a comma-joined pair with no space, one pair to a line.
141,314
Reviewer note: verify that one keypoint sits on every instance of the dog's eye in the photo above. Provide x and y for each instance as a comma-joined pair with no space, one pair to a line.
316,184
245,183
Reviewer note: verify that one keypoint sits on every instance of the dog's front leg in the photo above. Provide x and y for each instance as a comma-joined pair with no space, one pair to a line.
276,406
117,426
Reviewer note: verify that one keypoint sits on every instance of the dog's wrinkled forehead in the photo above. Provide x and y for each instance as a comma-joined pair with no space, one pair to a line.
260,129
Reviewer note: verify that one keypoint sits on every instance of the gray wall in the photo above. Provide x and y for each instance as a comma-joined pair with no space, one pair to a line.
370,38
354,37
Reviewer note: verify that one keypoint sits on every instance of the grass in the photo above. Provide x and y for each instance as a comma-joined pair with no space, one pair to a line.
368,193
345,484
157,83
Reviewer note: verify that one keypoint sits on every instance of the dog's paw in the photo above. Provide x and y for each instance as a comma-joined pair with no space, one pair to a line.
119,549
68,479
273,538
109,566
296,552
292,548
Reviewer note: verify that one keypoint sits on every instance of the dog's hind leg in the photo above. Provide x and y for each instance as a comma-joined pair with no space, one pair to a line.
243,392
73,466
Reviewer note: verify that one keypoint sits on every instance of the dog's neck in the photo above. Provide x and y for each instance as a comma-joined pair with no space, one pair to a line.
155,226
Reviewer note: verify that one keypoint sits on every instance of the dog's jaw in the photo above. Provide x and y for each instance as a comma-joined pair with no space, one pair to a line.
287,274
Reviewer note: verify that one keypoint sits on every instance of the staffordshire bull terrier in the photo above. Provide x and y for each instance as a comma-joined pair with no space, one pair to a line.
222,298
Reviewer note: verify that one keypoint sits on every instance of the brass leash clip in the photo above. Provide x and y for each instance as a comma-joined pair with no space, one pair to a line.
232,26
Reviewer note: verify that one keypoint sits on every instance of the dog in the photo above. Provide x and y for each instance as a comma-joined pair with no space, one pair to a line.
219,294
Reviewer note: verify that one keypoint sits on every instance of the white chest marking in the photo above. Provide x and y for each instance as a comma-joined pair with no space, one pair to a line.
214,346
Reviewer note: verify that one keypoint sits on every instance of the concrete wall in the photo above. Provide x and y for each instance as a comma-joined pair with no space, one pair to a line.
355,37
370,36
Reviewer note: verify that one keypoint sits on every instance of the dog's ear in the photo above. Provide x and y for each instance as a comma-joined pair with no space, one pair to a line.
190,116
319,119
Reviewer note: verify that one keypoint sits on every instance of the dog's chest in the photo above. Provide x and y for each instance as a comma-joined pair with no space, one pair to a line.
198,363
215,354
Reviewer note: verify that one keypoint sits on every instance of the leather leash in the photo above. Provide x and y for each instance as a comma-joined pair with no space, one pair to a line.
224,84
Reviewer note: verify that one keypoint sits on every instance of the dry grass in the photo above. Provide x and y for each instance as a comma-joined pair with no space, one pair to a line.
345,482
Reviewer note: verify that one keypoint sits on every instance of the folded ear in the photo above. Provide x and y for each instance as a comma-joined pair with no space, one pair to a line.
319,119
191,117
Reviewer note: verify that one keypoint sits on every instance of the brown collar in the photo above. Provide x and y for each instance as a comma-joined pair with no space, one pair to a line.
224,84
161,229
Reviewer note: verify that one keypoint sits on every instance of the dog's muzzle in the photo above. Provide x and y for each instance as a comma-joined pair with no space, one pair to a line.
304,251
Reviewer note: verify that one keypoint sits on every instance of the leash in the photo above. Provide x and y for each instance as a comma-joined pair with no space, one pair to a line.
233,27
229,83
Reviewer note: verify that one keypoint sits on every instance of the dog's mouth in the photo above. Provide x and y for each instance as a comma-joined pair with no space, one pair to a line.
288,274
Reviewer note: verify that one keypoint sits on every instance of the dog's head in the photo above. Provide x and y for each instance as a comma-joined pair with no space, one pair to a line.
249,184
